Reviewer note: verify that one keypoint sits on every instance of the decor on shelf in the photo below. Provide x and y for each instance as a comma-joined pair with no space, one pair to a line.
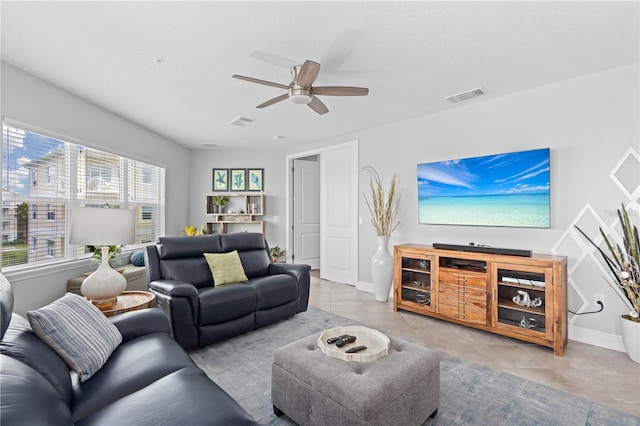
243,213
220,179
102,227
219,203
383,206
255,179
623,262
238,180
276,253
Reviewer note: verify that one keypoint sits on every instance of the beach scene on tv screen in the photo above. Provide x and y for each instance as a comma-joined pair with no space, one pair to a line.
509,189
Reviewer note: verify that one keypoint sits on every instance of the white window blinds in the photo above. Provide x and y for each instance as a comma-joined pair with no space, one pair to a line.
44,178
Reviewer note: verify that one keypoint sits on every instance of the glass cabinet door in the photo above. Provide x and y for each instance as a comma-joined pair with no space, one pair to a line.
523,299
416,281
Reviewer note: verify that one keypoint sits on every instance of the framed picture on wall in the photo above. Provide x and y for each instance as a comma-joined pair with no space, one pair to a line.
238,179
255,179
220,179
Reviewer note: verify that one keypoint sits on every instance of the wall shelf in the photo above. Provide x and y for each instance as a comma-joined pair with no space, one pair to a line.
243,212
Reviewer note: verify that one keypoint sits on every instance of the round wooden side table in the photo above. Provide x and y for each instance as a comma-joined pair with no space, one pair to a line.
131,301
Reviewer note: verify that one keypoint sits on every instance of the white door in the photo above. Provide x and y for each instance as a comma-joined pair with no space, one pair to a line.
339,214
306,212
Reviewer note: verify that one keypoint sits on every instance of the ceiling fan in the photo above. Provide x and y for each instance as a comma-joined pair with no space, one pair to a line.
301,91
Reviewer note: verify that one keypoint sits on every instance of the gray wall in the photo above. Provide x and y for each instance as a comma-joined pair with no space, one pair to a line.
272,161
37,103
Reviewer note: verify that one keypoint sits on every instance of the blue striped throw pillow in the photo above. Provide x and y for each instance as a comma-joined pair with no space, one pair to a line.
78,332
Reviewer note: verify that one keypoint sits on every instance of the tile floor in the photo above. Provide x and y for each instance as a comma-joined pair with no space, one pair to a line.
605,376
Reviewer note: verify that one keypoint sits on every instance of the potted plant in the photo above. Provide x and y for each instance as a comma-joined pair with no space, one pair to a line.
114,251
383,205
276,253
623,263
221,202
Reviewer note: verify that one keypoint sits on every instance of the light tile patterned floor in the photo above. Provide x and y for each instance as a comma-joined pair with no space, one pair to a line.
605,376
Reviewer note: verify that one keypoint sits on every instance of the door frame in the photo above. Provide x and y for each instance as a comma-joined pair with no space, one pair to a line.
289,194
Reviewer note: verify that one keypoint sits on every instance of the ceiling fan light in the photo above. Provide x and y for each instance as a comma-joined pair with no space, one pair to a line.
300,99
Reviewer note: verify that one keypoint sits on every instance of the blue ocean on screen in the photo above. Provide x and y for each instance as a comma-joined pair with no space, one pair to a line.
509,189
530,210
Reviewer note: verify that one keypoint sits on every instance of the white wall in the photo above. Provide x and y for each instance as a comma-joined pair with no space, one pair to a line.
589,123
272,161
36,103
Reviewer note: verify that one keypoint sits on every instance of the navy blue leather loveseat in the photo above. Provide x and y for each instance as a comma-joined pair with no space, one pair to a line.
148,380
202,313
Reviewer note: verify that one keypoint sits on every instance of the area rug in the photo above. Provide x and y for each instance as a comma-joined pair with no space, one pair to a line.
470,393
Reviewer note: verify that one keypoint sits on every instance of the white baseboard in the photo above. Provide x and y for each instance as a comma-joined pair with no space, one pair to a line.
596,338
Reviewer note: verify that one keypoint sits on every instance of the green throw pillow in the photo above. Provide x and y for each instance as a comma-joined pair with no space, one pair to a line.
226,268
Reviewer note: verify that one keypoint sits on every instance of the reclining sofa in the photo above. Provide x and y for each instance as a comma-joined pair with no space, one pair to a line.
148,380
201,312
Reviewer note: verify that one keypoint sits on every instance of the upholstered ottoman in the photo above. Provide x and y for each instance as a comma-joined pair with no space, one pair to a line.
311,388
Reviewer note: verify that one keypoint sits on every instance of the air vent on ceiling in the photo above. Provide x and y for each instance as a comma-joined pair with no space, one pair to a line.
241,121
465,95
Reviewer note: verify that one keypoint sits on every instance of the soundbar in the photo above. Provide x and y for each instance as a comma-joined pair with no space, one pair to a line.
483,249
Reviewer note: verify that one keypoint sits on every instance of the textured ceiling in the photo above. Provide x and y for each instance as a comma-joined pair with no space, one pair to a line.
409,54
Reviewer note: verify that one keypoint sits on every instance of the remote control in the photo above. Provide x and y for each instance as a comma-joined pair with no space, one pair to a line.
332,340
348,339
356,349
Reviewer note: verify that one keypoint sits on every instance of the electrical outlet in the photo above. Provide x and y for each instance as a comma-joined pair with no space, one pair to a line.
598,297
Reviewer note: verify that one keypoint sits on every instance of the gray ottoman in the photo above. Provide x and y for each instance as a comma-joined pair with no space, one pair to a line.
311,388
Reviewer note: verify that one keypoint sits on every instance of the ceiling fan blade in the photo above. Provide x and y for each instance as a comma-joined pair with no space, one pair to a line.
273,101
340,91
317,105
273,59
308,73
266,83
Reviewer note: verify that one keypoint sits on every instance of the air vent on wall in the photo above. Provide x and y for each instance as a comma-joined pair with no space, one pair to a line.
241,121
465,95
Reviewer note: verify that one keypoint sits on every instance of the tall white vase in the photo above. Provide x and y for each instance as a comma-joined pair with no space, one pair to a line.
631,338
382,270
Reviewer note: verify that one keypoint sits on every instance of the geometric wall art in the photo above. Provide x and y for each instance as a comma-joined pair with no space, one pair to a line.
583,258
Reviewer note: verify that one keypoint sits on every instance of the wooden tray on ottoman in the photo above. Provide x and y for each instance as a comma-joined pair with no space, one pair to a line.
377,344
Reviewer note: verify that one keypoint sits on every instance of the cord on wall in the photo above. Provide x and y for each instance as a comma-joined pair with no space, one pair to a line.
599,302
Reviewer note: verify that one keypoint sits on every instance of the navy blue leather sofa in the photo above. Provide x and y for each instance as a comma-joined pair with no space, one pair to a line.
202,313
148,380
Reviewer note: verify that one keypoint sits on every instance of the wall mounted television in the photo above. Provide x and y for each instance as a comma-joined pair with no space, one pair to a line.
510,190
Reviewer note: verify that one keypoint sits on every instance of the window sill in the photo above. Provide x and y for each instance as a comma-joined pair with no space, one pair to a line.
81,265
35,271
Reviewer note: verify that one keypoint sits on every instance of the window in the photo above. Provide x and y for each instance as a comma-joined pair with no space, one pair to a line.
51,174
147,213
38,216
51,248
51,213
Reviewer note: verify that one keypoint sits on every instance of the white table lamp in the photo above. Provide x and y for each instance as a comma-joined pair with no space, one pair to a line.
102,227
